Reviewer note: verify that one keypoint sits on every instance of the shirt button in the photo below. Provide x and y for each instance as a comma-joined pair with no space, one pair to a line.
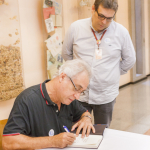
56,110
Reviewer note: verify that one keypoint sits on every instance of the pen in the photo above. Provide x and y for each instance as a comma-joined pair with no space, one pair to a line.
66,129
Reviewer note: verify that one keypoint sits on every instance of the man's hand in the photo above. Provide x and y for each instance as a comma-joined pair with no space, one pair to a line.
63,139
85,123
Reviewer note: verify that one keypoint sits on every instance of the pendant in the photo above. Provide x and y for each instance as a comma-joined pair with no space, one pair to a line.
98,42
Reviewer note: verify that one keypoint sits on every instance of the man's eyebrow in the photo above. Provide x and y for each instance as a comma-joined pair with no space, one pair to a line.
101,14
80,86
104,16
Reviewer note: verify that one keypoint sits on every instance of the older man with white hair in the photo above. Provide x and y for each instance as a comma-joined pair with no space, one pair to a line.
40,112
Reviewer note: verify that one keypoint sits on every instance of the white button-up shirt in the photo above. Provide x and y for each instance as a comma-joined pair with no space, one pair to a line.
118,56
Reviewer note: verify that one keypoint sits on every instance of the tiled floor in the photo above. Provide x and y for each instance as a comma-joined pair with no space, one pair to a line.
132,108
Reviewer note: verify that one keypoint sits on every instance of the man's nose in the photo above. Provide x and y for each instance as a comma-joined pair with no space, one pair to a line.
104,21
77,95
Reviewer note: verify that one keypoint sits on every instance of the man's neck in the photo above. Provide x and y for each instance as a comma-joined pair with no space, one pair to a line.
99,31
52,92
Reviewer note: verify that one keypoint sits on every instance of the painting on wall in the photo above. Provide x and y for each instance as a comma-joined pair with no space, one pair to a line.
11,77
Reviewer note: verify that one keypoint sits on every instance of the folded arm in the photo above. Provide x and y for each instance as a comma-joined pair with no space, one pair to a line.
127,55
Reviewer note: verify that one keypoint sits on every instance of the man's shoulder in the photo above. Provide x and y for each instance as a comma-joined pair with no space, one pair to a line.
85,21
80,26
29,93
32,90
119,26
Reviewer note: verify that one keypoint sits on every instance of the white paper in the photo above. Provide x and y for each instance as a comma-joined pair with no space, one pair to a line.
49,63
53,18
59,32
54,44
58,20
49,25
58,8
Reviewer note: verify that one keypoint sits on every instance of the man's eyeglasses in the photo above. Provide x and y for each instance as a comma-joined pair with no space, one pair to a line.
102,17
77,90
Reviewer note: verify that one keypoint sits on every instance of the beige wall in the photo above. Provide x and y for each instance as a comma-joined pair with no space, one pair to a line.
70,13
122,18
32,47
32,39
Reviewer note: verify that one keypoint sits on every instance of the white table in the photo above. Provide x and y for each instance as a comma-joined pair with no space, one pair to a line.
120,140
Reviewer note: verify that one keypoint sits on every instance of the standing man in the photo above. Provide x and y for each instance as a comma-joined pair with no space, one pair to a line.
107,47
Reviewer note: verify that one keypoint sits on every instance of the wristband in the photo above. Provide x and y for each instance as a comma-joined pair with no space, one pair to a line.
87,116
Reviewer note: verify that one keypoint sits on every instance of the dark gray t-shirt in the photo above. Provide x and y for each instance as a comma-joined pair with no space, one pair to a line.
34,114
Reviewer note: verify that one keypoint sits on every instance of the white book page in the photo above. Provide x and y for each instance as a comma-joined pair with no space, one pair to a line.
90,140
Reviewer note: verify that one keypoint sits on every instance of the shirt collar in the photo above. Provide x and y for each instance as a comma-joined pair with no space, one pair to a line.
45,94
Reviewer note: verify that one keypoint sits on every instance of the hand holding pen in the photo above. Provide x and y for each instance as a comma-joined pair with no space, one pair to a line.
63,139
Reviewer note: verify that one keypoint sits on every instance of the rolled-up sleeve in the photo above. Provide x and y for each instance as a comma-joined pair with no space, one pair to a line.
67,48
127,55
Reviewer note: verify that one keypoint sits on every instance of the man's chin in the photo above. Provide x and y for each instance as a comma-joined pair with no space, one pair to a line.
102,29
68,101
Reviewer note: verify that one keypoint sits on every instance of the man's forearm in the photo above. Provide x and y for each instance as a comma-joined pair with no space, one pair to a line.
19,142
23,142
126,65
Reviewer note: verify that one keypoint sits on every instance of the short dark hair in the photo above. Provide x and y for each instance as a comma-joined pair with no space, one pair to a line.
109,4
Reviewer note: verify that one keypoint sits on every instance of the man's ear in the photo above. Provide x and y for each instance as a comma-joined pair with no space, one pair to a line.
62,76
93,8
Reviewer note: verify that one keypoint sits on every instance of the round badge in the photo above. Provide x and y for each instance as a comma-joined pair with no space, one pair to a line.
51,132
107,40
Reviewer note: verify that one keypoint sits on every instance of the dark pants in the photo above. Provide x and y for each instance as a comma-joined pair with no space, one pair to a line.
102,113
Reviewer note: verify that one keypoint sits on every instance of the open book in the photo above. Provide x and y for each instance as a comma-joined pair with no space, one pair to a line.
92,141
